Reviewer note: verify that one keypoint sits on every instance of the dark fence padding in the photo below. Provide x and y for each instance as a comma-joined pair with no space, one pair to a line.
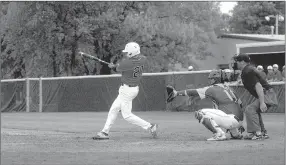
97,94
13,96
34,96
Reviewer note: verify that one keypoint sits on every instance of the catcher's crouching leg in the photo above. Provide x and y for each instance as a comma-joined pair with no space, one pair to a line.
211,125
235,134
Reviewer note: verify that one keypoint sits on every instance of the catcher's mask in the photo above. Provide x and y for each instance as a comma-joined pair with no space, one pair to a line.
216,75
221,76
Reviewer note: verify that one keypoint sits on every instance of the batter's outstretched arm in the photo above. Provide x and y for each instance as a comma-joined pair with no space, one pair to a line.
124,65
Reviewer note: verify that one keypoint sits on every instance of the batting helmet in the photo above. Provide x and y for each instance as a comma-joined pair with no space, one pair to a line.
216,75
132,49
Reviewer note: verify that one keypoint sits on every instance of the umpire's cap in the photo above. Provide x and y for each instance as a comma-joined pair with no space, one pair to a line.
242,57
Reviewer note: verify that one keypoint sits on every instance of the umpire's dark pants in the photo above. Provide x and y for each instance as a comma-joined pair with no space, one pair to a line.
252,111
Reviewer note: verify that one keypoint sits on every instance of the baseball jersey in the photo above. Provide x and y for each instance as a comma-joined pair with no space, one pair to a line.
223,97
277,76
132,69
270,76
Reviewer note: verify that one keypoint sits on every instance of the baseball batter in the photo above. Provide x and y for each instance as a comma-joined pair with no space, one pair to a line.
227,112
131,69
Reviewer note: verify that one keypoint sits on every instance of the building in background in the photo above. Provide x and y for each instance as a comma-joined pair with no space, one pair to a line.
263,49
269,51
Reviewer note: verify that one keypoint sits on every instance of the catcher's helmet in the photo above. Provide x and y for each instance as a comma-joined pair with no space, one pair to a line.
132,49
216,75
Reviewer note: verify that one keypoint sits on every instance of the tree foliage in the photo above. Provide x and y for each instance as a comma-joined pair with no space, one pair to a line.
249,17
43,38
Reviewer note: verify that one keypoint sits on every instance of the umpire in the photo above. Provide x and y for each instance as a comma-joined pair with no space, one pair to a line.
258,87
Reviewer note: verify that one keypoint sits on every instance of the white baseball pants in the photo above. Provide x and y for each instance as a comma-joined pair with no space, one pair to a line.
223,120
123,102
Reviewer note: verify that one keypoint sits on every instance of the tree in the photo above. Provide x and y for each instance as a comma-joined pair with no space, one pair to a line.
224,26
249,17
101,28
280,6
45,34
43,38
169,31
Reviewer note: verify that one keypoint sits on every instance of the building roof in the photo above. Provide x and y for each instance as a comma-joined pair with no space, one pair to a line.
273,47
256,37
261,44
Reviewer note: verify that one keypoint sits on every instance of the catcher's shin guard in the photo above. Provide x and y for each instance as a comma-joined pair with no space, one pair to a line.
210,124
199,115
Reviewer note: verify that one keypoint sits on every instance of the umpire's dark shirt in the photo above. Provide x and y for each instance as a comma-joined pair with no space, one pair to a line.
250,76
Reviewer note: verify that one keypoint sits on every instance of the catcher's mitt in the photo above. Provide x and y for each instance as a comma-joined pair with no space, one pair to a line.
172,93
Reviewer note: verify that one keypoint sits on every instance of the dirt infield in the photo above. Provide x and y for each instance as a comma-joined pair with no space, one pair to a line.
65,139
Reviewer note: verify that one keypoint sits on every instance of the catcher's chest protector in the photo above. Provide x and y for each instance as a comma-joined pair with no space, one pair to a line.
222,95
227,101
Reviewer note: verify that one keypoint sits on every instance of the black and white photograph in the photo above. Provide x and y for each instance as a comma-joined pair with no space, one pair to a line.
142,82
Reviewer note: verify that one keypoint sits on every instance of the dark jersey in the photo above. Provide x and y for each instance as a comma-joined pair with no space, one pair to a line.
132,69
250,76
263,74
223,98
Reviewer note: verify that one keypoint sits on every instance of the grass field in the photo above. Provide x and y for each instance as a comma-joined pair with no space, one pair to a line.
65,139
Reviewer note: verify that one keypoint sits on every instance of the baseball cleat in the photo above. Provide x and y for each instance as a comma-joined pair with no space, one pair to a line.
217,137
101,136
265,135
253,136
153,130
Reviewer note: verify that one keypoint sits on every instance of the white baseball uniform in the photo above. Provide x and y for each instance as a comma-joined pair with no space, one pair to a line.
132,69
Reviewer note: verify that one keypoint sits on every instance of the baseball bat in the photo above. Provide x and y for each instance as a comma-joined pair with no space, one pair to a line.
93,57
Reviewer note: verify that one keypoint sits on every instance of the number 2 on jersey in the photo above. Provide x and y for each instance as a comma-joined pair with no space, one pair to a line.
137,71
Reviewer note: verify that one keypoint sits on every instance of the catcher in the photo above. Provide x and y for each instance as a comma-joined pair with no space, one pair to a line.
227,112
